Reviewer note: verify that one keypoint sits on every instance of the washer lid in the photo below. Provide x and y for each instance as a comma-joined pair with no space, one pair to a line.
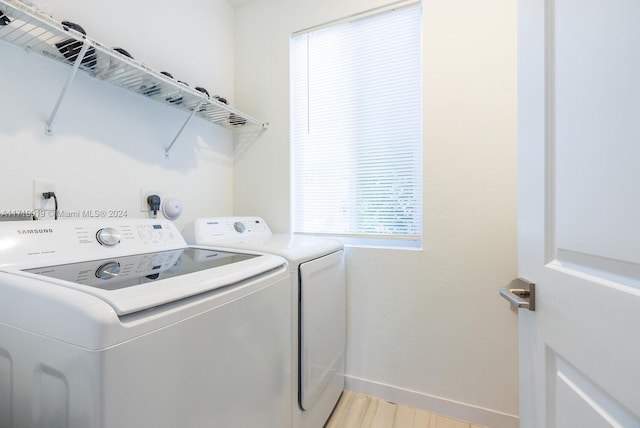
142,281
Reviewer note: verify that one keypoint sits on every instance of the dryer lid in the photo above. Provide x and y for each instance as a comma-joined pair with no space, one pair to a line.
252,233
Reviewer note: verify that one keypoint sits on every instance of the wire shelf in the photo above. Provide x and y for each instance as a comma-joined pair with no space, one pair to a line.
34,31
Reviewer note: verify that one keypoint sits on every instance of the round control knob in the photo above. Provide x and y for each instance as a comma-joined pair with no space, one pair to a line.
239,226
108,237
108,270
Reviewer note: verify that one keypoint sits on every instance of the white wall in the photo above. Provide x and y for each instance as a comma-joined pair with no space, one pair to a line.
426,328
108,144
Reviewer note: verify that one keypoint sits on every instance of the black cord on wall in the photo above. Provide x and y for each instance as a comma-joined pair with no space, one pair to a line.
49,195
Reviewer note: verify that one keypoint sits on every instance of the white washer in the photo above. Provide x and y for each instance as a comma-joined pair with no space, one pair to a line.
120,324
318,306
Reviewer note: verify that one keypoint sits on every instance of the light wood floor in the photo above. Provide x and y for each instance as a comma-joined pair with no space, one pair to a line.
361,411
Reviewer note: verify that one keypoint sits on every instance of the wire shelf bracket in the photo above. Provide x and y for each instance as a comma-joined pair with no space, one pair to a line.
48,127
184,125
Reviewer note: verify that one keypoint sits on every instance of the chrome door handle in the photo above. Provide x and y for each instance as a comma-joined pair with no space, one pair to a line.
523,295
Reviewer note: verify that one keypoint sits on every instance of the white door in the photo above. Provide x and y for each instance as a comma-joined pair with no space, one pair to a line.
579,212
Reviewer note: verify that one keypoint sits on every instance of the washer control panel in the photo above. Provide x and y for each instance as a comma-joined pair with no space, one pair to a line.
69,240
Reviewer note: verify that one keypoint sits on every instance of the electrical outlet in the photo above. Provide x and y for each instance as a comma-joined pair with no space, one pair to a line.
39,187
144,206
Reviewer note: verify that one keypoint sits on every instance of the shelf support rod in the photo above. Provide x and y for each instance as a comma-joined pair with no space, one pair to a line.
48,126
184,125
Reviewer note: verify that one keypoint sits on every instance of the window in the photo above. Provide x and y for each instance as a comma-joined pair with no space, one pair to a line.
356,132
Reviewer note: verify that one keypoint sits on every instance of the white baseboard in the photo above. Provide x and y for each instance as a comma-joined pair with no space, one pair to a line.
442,406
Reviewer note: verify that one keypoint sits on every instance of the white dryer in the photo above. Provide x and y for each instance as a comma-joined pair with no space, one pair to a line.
318,306
119,324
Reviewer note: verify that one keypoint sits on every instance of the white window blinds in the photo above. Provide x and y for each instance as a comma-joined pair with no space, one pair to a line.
357,127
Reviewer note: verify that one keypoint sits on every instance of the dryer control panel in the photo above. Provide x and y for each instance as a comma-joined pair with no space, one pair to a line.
220,229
